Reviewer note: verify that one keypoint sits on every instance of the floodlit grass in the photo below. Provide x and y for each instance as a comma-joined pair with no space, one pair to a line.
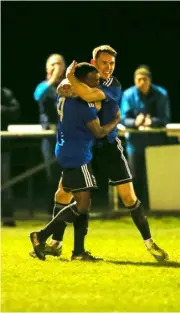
129,279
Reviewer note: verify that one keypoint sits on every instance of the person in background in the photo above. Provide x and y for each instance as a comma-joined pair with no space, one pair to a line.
10,111
143,104
45,95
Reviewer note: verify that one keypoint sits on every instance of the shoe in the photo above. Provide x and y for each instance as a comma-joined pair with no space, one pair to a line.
39,246
49,250
158,253
85,256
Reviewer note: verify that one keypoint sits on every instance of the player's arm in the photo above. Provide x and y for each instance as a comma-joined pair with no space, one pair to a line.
85,92
82,90
102,131
65,90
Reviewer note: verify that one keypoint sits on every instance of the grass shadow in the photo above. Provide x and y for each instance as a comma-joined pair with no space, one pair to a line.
153,264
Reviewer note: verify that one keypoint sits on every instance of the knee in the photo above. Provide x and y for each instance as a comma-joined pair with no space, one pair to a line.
62,197
57,195
84,205
128,199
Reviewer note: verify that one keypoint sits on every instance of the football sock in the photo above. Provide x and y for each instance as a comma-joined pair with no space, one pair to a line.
59,226
68,213
80,231
140,220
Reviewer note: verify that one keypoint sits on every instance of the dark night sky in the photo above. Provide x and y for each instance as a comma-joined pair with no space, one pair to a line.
141,32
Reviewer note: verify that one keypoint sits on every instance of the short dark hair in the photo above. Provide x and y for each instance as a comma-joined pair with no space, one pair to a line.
103,48
82,69
143,69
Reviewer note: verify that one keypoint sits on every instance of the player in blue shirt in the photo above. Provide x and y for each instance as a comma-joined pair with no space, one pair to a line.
110,152
78,126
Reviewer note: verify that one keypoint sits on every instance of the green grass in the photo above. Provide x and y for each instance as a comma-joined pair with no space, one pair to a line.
129,279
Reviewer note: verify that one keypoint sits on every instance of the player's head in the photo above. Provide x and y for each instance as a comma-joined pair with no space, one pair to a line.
87,73
142,78
104,58
55,60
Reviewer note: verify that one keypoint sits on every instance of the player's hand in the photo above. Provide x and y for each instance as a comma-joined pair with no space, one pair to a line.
139,119
64,89
71,69
148,121
98,105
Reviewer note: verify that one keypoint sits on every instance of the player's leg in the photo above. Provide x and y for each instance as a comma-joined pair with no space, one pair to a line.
74,180
81,222
137,163
67,214
61,199
121,178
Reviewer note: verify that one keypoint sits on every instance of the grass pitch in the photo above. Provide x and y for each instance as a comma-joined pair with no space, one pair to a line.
129,280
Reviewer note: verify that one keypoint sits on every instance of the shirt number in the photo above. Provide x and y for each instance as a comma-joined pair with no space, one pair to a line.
60,107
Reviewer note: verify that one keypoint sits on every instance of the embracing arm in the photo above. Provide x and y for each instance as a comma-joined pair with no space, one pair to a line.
102,131
85,92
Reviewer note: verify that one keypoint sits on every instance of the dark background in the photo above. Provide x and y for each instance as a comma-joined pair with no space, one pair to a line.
141,32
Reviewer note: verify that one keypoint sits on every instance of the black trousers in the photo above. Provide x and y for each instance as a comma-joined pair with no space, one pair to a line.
7,211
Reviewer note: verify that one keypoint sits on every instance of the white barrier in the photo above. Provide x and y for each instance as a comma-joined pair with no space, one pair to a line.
36,131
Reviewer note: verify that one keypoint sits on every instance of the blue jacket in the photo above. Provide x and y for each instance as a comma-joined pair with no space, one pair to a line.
46,96
155,103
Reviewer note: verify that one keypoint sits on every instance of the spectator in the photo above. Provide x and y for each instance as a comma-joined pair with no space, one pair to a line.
9,113
144,104
45,95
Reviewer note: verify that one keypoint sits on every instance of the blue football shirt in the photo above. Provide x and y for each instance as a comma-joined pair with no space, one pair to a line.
74,140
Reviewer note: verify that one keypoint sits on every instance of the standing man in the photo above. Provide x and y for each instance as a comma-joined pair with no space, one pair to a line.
10,111
78,126
45,95
143,104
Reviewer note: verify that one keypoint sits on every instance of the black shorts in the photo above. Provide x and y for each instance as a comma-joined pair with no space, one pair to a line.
110,158
78,179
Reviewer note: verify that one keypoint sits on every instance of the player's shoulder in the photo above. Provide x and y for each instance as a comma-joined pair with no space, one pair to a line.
116,82
90,104
83,104
160,89
111,82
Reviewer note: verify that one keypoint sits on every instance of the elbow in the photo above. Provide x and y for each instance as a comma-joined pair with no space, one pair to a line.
100,135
